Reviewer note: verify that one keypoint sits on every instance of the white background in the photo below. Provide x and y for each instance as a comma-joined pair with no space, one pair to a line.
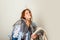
45,12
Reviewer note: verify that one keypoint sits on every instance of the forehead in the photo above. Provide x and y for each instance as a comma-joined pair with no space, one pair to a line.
26,11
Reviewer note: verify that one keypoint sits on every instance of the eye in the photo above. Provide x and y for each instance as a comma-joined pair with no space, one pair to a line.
26,13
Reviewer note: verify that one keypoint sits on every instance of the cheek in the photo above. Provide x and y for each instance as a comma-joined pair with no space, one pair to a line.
26,16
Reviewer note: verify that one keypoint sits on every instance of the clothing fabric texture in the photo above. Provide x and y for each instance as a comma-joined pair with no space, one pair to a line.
21,31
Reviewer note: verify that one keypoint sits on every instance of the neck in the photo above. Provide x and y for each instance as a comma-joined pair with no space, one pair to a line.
28,22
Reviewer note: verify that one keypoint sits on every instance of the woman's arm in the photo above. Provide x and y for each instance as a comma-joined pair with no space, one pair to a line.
38,32
16,30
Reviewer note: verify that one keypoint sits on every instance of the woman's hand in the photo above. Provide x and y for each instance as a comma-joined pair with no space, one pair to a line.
34,36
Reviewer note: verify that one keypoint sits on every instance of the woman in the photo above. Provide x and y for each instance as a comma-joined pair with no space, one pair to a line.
24,27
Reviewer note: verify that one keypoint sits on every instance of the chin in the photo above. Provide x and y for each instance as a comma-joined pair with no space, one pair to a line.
28,18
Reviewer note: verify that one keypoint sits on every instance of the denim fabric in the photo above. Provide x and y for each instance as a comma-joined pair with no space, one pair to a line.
14,38
26,37
16,31
19,33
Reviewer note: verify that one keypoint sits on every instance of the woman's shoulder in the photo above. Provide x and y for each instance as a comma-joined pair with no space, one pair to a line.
18,22
34,24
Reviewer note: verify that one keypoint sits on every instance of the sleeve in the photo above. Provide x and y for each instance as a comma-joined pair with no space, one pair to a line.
34,26
37,30
40,32
16,30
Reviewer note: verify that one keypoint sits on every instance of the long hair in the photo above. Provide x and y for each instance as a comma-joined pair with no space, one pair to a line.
23,14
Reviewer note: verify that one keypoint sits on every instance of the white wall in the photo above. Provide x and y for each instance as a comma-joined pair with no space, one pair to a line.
45,12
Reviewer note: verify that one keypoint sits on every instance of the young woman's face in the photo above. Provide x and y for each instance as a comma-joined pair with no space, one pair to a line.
27,15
